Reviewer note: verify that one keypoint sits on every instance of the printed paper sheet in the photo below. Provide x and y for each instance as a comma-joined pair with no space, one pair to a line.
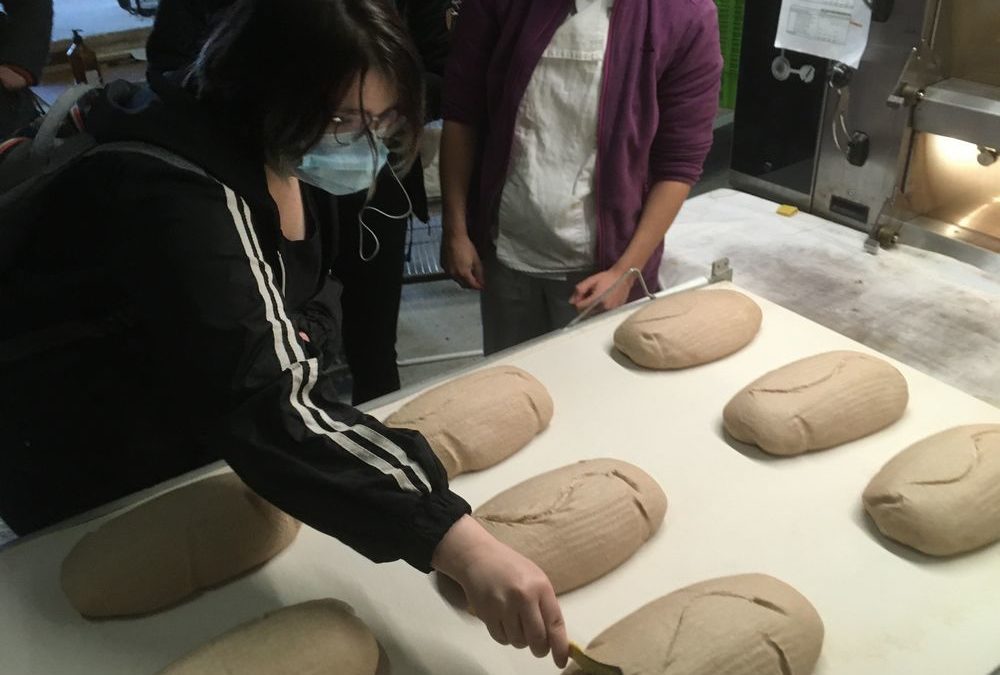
832,29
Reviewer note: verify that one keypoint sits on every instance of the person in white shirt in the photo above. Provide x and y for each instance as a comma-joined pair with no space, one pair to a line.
573,133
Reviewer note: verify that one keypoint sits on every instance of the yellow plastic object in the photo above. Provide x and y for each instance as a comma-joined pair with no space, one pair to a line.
787,210
589,665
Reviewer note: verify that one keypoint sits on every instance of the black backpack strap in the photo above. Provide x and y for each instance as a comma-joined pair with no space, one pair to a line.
40,341
152,151
48,133
36,159
28,167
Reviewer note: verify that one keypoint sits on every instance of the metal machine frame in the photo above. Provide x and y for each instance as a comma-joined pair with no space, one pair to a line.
940,103
922,83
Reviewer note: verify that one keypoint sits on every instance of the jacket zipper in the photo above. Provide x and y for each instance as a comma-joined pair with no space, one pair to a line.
599,253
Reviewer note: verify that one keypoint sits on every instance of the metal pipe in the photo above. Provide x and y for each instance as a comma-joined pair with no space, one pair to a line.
437,358
697,282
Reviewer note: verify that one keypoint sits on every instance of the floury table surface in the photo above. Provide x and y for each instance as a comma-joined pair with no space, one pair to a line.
886,609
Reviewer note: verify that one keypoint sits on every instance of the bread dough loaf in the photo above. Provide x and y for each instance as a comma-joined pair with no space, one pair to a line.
941,495
817,403
579,522
172,547
478,420
319,637
689,329
750,624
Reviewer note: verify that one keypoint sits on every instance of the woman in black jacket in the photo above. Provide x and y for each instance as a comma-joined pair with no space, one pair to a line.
165,309
372,284
370,258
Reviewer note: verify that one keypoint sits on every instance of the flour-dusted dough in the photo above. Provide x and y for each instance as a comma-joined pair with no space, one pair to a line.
479,420
320,637
579,522
689,329
818,402
172,547
750,624
941,495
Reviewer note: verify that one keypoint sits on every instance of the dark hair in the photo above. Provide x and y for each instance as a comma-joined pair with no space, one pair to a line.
279,68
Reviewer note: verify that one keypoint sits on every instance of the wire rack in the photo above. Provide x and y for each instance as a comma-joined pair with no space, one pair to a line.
423,252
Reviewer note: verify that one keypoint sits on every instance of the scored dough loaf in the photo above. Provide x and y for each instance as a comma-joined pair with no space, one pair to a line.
750,624
578,522
817,403
318,637
941,495
478,420
172,547
689,329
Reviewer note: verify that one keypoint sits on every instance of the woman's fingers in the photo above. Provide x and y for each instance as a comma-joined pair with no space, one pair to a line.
497,631
514,630
535,632
555,628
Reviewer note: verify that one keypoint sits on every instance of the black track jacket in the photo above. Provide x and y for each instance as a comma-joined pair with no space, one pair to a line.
145,332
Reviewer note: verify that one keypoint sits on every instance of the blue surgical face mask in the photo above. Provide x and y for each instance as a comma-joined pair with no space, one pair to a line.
342,169
346,169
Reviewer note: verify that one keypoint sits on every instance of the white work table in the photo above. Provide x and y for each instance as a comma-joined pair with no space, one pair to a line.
887,610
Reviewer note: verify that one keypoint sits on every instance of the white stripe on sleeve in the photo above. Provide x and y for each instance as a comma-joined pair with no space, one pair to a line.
301,386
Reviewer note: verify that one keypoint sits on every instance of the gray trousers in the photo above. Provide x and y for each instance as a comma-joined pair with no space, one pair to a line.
517,307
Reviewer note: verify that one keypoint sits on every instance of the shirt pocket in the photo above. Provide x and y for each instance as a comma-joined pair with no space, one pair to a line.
596,53
580,39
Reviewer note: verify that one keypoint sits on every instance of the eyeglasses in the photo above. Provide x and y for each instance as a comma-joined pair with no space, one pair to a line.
349,127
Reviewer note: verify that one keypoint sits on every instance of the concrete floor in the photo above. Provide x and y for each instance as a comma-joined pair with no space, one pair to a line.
437,318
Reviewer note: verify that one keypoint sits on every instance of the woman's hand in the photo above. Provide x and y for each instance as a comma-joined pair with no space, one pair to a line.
460,260
508,592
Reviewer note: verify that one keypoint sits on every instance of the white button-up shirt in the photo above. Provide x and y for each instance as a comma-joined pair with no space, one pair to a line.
547,218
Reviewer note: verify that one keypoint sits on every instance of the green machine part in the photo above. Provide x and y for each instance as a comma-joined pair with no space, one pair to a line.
731,32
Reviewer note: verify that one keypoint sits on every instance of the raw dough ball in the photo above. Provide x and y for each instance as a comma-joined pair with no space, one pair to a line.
689,329
314,638
174,546
941,495
479,420
750,624
816,403
579,522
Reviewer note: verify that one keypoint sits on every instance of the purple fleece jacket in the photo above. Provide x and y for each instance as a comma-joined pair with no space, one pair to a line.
659,97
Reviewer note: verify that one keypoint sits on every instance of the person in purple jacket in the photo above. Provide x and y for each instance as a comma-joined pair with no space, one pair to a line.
573,133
